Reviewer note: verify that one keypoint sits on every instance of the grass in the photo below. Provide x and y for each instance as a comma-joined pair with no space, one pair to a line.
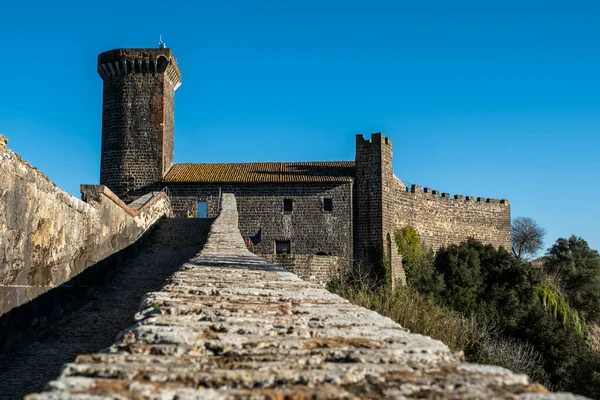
411,310
479,340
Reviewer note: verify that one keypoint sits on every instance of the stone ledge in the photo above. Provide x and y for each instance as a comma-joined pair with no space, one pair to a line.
230,325
47,236
93,194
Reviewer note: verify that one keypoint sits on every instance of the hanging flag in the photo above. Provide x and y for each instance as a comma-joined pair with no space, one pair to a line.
256,239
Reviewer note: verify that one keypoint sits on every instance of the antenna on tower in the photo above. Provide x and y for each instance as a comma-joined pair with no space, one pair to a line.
161,44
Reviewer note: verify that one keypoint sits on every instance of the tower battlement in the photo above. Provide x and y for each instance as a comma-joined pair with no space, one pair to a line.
139,61
137,118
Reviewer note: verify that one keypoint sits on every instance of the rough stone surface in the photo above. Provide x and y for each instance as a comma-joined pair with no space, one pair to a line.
137,118
312,232
374,204
48,236
229,325
442,220
108,308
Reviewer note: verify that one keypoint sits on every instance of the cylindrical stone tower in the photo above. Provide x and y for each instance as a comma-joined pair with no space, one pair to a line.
137,118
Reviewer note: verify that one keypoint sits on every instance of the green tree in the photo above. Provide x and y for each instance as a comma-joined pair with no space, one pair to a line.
463,281
409,246
418,264
576,269
568,358
509,285
481,279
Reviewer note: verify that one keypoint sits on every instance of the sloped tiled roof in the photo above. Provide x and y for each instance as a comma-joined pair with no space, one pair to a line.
262,172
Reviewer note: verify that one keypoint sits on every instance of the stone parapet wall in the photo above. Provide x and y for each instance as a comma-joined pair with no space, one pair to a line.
317,269
48,236
442,219
229,325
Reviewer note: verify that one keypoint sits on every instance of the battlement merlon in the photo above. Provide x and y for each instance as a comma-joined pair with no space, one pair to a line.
139,61
376,138
420,190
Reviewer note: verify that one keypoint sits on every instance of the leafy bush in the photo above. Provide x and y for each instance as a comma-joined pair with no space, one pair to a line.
576,268
550,297
409,246
497,308
480,340
418,264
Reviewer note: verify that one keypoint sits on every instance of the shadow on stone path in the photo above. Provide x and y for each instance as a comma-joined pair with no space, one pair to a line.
107,310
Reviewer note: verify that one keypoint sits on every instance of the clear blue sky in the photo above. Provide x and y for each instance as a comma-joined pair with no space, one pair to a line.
485,98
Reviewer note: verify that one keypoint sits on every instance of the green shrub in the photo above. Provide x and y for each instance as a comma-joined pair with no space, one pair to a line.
411,310
480,340
550,297
409,246
576,268
418,264
497,308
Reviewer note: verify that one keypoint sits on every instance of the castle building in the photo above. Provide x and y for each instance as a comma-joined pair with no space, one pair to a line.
316,217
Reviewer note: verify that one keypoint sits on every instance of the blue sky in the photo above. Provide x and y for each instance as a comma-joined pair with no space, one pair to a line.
494,99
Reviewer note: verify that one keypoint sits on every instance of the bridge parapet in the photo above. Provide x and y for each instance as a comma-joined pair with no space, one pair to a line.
230,325
47,236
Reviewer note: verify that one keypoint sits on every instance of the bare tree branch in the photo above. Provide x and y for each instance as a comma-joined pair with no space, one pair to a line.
527,237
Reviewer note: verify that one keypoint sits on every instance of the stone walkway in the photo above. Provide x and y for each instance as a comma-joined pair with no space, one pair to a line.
228,325
110,309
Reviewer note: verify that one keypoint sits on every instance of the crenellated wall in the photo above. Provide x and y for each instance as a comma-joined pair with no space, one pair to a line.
137,118
442,219
48,236
383,205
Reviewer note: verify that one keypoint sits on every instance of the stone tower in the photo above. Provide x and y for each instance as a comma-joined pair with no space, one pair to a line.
374,189
137,118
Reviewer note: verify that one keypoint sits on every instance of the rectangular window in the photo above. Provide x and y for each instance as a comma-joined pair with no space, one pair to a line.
202,209
287,205
283,247
328,205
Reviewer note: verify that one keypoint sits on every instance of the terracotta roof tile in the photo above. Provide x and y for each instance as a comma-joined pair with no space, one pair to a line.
262,172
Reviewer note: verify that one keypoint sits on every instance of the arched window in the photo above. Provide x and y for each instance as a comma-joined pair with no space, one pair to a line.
162,64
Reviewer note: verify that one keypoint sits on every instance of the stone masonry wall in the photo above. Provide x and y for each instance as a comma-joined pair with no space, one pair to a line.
314,268
137,118
308,227
374,227
368,218
441,220
229,325
48,236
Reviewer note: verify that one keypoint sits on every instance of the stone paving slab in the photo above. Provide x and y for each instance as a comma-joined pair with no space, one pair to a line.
229,325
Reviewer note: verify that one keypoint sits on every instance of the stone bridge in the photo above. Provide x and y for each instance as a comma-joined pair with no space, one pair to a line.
229,325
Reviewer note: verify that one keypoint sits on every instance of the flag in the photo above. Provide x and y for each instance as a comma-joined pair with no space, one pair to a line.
256,239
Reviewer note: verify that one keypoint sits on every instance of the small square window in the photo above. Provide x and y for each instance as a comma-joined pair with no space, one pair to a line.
287,205
283,247
328,205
